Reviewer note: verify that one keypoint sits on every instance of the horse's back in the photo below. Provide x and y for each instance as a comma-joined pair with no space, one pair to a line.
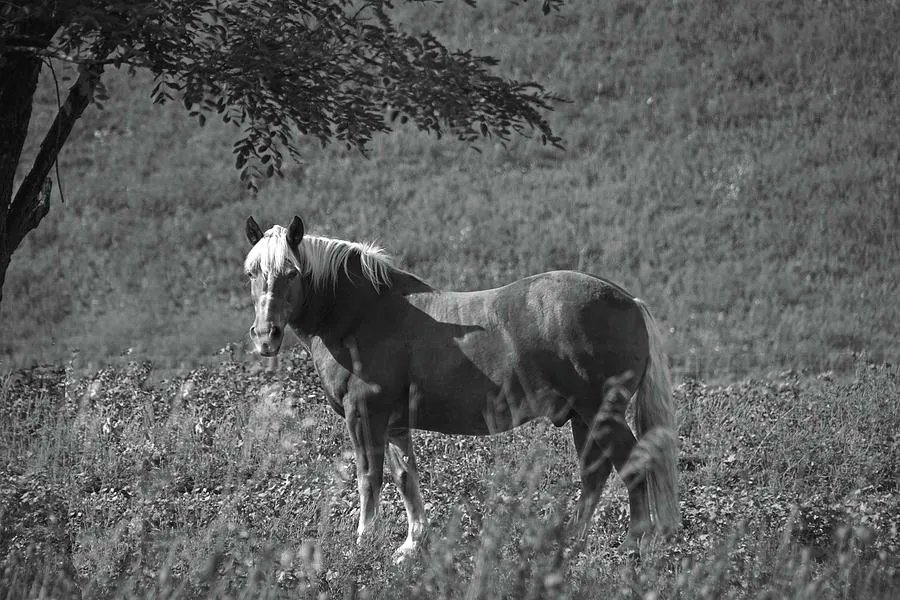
542,346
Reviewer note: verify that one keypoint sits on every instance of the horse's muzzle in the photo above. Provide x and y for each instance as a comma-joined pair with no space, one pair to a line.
267,338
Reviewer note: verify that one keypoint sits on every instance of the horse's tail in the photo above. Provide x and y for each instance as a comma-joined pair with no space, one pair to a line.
654,418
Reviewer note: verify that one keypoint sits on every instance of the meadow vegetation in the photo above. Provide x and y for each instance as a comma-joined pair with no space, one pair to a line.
234,480
735,164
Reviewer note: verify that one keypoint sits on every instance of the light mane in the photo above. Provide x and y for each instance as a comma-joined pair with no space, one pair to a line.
320,258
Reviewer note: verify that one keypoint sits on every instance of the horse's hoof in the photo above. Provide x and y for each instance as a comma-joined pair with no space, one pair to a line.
630,548
403,555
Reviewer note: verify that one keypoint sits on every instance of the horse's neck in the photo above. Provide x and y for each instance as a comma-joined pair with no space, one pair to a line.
336,312
333,310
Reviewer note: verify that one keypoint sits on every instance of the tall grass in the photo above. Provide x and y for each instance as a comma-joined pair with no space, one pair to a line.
735,165
226,481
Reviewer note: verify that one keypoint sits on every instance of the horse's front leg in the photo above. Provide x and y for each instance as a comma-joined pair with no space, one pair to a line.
402,461
367,431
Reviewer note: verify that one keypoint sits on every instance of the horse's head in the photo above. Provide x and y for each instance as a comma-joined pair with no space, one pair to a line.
275,284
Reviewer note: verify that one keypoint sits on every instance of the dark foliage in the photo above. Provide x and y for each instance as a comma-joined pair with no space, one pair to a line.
278,68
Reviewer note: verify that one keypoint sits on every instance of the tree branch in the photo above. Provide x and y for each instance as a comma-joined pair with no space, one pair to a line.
88,58
27,208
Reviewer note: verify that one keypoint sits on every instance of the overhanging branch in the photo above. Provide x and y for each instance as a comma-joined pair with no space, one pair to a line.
27,209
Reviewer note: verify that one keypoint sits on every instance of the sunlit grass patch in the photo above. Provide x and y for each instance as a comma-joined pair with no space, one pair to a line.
733,165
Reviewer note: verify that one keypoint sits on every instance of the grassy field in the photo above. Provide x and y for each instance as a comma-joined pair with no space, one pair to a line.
735,166
231,481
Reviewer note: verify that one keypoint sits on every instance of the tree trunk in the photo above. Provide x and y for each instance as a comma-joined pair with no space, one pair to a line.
4,265
18,81
27,208
31,203
19,70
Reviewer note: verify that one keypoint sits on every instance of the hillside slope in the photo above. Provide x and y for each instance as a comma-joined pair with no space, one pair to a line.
735,166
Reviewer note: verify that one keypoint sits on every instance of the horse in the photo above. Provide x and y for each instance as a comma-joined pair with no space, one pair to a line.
395,354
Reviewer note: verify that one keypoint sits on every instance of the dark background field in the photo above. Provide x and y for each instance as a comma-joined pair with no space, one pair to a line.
735,164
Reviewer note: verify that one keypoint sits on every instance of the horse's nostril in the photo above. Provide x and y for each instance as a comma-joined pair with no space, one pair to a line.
276,331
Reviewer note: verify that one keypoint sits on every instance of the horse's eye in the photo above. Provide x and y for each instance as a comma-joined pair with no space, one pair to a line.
292,274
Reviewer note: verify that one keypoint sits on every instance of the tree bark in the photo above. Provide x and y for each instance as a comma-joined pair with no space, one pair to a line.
25,210
19,70
19,77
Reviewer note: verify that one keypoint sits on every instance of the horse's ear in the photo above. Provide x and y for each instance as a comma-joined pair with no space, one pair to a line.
295,232
254,233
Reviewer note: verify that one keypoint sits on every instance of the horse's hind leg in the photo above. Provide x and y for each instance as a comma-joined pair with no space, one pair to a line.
595,464
402,461
607,444
638,498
